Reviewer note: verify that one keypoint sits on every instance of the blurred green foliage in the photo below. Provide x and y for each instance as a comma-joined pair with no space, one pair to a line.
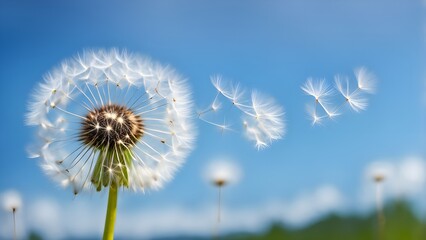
401,223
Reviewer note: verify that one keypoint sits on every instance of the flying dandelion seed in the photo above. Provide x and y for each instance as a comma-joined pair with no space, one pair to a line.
12,202
110,119
355,97
321,93
262,119
221,173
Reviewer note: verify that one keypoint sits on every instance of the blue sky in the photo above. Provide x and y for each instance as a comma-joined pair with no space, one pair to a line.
271,46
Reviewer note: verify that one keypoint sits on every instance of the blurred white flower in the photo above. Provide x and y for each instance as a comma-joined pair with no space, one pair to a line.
354,97
405,178
111,118
223,172
379,171
11,201
262,117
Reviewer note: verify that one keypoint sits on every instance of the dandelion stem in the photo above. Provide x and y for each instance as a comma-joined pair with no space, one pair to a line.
219,204
111,213
380,213
381,222
14,224
216,234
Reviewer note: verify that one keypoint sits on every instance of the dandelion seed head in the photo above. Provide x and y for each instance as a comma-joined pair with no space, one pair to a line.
11,201
108,118
379,171
110,131
120,120
222,172
378,178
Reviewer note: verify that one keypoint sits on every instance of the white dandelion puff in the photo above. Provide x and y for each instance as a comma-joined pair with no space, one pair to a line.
11,201
262,118
108,118
379,171
222,172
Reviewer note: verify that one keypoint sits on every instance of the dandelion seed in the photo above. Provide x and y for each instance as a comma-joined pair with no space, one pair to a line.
356,98
317,89
113,107
262,119
365,79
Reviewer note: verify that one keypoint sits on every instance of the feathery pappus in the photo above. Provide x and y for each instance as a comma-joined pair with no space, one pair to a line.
111,118
323,106
262,119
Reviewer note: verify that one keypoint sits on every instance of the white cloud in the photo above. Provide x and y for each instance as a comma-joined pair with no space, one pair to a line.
82,218
313,205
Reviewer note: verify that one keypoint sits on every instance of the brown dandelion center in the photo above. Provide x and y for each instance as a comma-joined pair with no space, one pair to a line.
219,182
111,126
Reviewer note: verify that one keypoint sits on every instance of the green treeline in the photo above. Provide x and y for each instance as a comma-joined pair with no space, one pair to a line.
401,223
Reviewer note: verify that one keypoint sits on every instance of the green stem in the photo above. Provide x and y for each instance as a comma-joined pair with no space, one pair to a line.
111,213
14,224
